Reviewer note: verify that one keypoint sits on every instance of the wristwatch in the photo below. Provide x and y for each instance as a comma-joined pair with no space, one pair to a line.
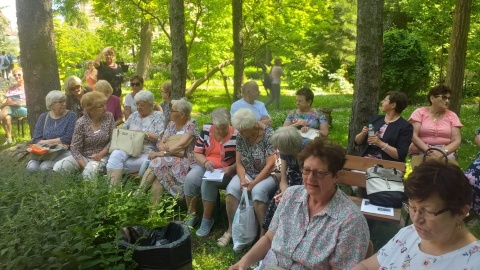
446,151
164,153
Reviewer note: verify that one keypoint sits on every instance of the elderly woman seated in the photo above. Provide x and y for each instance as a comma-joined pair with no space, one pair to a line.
439,200
289,142
169,166
255,161
53,127
316,226
215,149
91,138
113,102
145,120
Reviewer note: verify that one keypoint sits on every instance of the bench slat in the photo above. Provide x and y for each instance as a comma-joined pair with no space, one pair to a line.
362,163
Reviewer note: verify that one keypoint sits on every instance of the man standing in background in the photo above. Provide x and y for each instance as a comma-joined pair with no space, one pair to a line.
275,73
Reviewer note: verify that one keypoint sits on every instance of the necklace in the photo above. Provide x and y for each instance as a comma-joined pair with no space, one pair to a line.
258,133
390,121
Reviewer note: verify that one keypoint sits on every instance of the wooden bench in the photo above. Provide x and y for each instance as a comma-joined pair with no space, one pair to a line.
354,174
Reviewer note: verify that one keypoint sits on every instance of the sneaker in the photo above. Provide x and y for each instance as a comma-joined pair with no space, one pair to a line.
192,220
205,227
8,141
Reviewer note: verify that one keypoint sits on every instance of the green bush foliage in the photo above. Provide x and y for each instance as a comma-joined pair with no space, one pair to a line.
54,221
406,66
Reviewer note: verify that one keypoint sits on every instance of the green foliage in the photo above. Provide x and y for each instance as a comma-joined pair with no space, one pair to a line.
306,70
405,64
59,221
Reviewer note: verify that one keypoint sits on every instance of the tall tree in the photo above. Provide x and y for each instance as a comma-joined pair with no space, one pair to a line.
368,67
458,51
145,50
238,64
37,47
179,49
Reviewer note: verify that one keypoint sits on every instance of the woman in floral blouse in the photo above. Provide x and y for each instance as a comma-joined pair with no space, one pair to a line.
316,226
91,138
439,200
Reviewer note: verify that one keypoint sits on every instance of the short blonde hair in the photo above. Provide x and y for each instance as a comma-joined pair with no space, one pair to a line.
71,82
104,87
17,69
167,87
91,100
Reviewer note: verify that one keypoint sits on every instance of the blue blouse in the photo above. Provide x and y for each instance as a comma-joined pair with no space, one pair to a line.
55,128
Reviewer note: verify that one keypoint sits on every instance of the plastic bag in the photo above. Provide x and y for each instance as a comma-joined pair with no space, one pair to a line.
244,227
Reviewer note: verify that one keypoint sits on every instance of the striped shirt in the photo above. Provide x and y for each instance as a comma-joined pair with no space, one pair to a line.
204,144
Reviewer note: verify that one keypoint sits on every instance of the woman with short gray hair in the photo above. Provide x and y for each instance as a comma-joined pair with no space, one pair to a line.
53,127
288,141
146,120
214,149
256,158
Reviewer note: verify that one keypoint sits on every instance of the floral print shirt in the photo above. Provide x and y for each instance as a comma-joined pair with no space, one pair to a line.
254,156
335,237
155,123
402,252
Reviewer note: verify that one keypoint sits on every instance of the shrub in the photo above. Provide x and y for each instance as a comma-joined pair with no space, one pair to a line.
406,66
58,221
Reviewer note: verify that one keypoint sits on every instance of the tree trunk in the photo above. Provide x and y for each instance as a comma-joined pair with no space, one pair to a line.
207,76
368,68
39,59
179,49
145,50
458,52
238,64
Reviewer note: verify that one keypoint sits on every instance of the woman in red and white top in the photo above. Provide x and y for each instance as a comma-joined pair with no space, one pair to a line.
214,149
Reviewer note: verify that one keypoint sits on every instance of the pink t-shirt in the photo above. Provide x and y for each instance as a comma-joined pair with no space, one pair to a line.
16,93
91,81
113,106
434,132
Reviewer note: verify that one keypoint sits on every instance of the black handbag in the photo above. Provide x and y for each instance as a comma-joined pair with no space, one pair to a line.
385,186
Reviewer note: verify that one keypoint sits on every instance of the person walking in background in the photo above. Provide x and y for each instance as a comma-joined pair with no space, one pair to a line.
275,73
11,59
4,64
90,75
109,70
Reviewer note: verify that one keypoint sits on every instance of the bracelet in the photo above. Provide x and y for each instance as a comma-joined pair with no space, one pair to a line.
386,145
205,162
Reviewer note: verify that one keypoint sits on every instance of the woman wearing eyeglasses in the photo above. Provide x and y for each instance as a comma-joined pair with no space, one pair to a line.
53,127
109,70
316,226
136,82
74,91
436,126
14,104
439,200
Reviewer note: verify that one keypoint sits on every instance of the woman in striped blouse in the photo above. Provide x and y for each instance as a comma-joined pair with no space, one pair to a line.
214,149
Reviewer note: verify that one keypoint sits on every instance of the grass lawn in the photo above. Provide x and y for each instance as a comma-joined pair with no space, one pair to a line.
206,254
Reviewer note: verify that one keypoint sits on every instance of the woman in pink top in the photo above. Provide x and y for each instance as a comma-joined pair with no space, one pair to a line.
90,75
436,126
113,102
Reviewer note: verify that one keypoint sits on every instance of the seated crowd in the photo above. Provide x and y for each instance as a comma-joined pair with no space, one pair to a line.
306,221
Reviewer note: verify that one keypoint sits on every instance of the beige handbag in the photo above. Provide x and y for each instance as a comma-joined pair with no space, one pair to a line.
172,141
131,142
419,159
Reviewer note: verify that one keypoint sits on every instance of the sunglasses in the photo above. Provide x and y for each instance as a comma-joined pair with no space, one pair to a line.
17,75
444,98
134,84
75,87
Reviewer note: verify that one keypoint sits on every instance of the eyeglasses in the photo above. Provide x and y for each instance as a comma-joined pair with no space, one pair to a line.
316,174
174,111
141,104
134,84
60,101
424,213
17,75
75,87
444,98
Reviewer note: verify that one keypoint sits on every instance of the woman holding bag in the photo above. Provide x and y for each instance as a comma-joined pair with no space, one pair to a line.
145,120
168,169
53,127
255,160
436,126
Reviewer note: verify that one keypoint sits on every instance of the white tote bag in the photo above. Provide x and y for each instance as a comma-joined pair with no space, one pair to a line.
244,227
131,142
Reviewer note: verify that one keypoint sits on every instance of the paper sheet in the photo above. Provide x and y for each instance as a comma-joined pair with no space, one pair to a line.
216,175
370,208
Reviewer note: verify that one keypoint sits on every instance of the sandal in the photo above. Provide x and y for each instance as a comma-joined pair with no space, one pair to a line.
224,240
